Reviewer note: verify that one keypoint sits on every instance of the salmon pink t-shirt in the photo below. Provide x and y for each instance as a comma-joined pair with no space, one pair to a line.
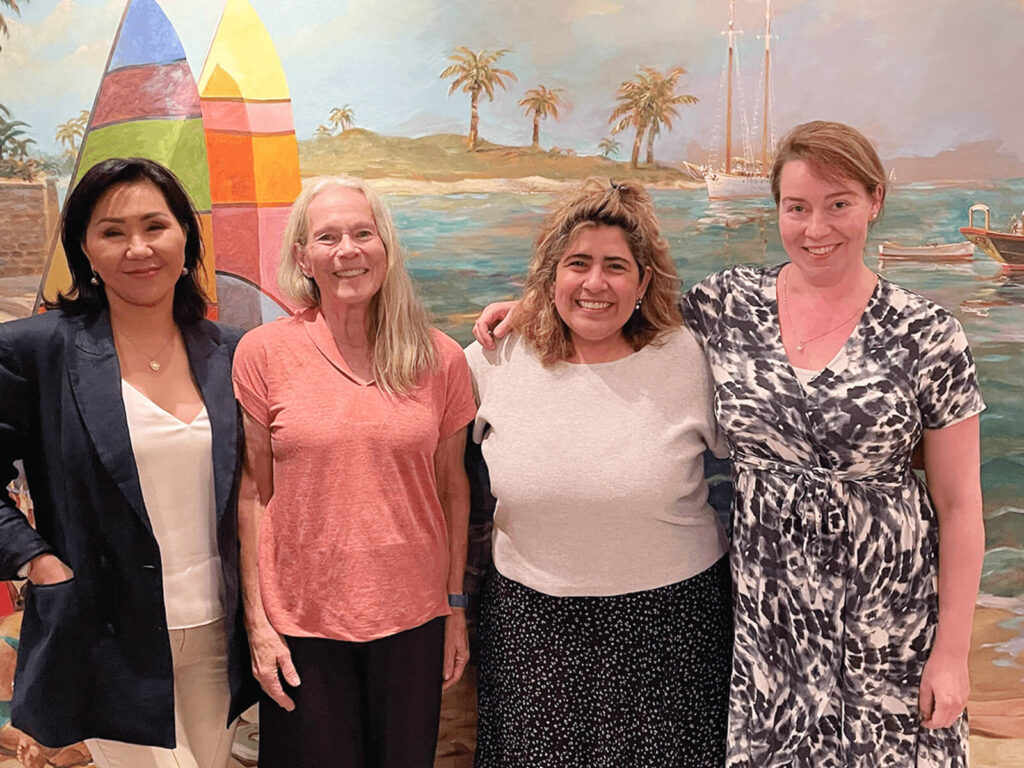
353,544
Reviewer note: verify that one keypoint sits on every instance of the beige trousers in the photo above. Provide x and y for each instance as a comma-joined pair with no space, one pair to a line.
201,702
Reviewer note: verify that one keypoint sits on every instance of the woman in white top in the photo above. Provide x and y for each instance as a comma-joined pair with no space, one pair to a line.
119,402
605,625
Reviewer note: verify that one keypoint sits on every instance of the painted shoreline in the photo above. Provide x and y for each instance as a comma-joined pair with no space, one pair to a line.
996,706
388,185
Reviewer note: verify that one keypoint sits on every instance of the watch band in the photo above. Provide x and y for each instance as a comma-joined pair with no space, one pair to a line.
460,600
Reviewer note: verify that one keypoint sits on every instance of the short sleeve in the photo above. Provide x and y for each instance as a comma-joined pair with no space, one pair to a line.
702,306
249,375
459,405
948,389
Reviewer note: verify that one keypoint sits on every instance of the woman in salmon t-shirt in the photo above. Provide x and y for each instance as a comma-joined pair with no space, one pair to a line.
354,502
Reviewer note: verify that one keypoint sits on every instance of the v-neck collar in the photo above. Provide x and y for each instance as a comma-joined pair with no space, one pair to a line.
320,334
858,334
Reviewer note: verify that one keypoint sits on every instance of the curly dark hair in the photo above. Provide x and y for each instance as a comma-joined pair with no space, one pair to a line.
628,206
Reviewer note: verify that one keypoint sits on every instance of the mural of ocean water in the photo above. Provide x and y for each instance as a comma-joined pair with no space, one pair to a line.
467,250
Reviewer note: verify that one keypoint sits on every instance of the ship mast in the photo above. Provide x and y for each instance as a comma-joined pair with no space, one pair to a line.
767,81
728,96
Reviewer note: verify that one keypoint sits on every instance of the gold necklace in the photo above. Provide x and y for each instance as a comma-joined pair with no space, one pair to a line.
804,342
154,363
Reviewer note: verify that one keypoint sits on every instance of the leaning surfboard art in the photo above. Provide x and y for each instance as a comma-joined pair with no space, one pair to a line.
147,105
254,163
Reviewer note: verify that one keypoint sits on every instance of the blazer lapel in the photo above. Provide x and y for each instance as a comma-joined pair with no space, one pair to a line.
211,366
96,382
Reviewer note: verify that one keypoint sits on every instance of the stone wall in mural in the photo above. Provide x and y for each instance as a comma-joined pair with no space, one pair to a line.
471,117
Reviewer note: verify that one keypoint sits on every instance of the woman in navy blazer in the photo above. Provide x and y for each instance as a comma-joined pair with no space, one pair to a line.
95,658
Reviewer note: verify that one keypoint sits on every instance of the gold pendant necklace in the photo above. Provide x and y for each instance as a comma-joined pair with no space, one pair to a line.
801,343
154,363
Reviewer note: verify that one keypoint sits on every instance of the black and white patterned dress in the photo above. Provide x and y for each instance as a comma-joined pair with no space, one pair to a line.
835,541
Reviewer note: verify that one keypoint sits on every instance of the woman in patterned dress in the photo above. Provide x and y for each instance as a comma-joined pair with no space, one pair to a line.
854,582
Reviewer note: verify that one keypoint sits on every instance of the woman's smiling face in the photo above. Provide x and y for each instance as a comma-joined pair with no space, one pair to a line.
135,244
597,284
823,222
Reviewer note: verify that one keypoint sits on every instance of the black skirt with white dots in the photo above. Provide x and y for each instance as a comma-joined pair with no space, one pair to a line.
639,680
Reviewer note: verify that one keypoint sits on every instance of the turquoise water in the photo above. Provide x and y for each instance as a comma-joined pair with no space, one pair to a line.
468,250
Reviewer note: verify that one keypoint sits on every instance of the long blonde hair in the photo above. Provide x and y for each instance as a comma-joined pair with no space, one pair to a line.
399,325
626,205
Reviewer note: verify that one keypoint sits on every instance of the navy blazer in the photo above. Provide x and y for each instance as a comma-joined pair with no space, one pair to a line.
94,658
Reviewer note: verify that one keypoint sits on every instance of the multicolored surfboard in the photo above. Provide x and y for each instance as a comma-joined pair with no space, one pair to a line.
254,163
147,105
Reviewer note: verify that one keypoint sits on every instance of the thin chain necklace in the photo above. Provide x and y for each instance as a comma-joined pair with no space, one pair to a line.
801,343
154,363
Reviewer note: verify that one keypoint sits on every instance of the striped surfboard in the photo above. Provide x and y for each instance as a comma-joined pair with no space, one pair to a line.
147,105
254,163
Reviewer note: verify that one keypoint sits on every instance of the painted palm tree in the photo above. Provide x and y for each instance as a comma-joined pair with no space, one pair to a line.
647,102
19,147
11,134
69,132
322,132
475,73
632,112
13,5
342,117
608,147
663,103
541,102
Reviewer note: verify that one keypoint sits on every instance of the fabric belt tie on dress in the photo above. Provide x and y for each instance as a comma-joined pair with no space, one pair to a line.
812,516
825,486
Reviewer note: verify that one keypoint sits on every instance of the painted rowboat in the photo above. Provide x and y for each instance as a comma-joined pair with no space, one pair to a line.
927,252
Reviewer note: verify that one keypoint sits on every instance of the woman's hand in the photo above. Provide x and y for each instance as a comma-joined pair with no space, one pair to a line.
456,647
494,322
48,569
271,660
945,685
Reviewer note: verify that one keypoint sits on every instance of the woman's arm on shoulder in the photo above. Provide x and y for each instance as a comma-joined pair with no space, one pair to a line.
952,463
495,322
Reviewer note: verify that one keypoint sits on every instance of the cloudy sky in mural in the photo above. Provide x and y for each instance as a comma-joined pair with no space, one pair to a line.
920,76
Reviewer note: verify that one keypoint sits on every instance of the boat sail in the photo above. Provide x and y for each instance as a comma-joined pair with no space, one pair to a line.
752,180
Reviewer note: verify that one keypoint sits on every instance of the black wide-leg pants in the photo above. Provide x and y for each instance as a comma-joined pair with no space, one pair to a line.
359,705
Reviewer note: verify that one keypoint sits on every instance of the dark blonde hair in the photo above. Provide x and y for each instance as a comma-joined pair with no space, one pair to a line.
837,151
625,205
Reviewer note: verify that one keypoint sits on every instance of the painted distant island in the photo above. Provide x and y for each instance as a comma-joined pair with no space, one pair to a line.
442,162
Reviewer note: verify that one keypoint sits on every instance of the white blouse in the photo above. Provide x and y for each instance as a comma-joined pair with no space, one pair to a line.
175,464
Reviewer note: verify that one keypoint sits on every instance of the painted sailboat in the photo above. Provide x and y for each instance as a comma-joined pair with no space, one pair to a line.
147,105
1007,248
254,163
751,180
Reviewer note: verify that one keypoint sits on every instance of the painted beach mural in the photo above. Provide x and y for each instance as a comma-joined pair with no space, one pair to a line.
472,116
